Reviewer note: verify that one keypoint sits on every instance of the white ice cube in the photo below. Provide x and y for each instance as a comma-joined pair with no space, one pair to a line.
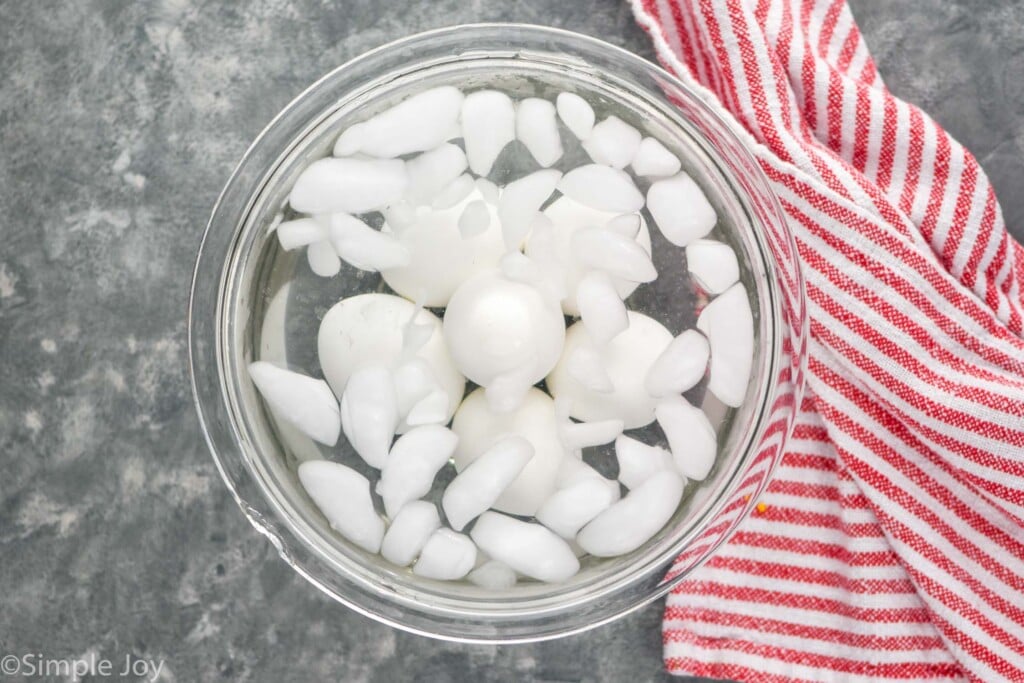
488,190
416,124
631,522
527,548
601,309
410,467
577,435
323,259
603,188
570,508
432,171
729,326
474,220
712,264
343,496
576,113
680,209
365,248
536,128
602,249
488,124
652,159
691,437
480,484
409,531
414,379
348,185
369,413
493,575
520,201
431,409
626,224
300,232
585,366
613,142
399,216
453,193
639,461
307,403
447,556
680,366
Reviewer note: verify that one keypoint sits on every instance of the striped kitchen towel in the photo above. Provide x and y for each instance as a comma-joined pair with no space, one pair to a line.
890,543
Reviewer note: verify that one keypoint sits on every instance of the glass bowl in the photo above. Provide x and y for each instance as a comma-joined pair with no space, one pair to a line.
250,300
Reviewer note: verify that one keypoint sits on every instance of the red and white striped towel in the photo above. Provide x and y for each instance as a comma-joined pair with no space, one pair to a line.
890,543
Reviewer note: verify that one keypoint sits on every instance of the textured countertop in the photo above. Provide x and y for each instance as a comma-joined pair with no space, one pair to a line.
120,122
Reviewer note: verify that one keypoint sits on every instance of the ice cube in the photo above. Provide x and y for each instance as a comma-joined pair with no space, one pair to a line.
691,438
400,216
475,219
603,312
626,224
602,249
323,260
729,326
526,547
480,484
348,185
488,124
626,360
493,575
570,508
536,128
638,461
453,193
369,413
300,232
409,531
365,248
431,409
576,114
631,522
307,403
585,366
603,188
520,201
447,556
414,380
613,142
680,366
416,124
713,265
652,159
488,190
432,171
343,496
576,435
680,209
409,469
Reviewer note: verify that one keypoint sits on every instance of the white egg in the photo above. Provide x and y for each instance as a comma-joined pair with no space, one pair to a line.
627,359
440,258
495,326
368,329
568,216
479,428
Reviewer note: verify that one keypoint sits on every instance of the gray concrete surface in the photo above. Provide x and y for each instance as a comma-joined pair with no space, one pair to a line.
119,122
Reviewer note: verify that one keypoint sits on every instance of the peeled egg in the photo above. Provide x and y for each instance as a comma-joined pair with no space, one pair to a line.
627,358
440,257
569,216
368,329
495,327
479,427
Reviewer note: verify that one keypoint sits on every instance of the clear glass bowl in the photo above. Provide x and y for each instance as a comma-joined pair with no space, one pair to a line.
252,300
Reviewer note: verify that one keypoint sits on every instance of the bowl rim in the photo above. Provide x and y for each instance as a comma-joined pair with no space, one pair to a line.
254,515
